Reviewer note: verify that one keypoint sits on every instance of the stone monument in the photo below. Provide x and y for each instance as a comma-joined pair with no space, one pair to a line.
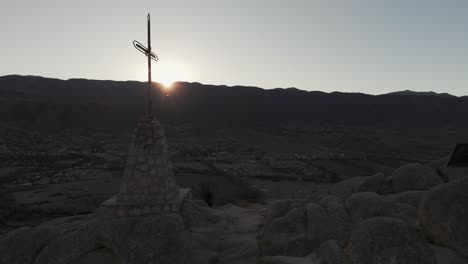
148,185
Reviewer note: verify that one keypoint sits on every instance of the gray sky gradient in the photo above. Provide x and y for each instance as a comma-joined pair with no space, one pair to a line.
369,46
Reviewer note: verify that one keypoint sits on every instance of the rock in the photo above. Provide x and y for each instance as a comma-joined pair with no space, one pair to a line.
403,205
98,256
381,240
309,259
453,173
377,183
443,215
414,176
448,174
231,240
317,195
277,209
438,163
22,245
330,201
285,235
364,205
7,205
325,223
304,227
347,187
197,215
412,198
331,253
447,256
159,238
405,212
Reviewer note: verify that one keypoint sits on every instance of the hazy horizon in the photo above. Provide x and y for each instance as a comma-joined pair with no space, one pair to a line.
372,47
233,85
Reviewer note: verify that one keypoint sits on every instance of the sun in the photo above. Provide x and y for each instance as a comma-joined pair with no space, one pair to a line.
167,73
167,85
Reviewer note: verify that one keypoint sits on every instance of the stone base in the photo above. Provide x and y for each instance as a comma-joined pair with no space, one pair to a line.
117,208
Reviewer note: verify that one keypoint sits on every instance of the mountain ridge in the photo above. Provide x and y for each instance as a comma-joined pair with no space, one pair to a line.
402,92
43,103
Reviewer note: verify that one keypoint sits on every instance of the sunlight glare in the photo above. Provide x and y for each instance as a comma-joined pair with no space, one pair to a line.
167,73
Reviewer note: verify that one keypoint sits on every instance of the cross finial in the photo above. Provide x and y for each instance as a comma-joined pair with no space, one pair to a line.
151,56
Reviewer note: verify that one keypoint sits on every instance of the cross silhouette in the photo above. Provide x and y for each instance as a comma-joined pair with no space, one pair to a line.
151,56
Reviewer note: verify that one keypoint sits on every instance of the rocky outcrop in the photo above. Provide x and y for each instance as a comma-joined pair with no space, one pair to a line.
332,253
447,256
377,183
285,235
157,239
404,206
24,244
386,240
443,215
198,234
303,227
326,222
412,198
7,205
376,226
310,259
448,174
364,205
414,176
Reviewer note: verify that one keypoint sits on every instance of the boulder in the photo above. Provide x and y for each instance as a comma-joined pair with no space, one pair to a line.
447,256
309,259
22,245
377,183
97,256
404,212
277,209
7,205
414,176
381,240
443,215
158,238
403,205
448,174
453,173
197,215
330,201
364,205
285,235
304,227
435,164
326,223
332,253
412,198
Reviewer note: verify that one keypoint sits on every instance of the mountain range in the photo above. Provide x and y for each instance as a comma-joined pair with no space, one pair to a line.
39,103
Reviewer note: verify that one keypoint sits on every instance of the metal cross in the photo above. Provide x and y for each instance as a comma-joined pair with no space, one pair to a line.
151,56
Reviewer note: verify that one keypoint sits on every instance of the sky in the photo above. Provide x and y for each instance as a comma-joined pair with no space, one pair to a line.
367,46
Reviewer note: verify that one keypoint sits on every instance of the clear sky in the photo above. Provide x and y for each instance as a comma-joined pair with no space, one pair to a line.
369,46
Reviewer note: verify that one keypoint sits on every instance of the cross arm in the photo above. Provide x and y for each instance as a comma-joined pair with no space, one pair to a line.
145,50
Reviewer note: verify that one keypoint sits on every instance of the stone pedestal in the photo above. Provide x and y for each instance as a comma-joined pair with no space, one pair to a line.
117,208
148,185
